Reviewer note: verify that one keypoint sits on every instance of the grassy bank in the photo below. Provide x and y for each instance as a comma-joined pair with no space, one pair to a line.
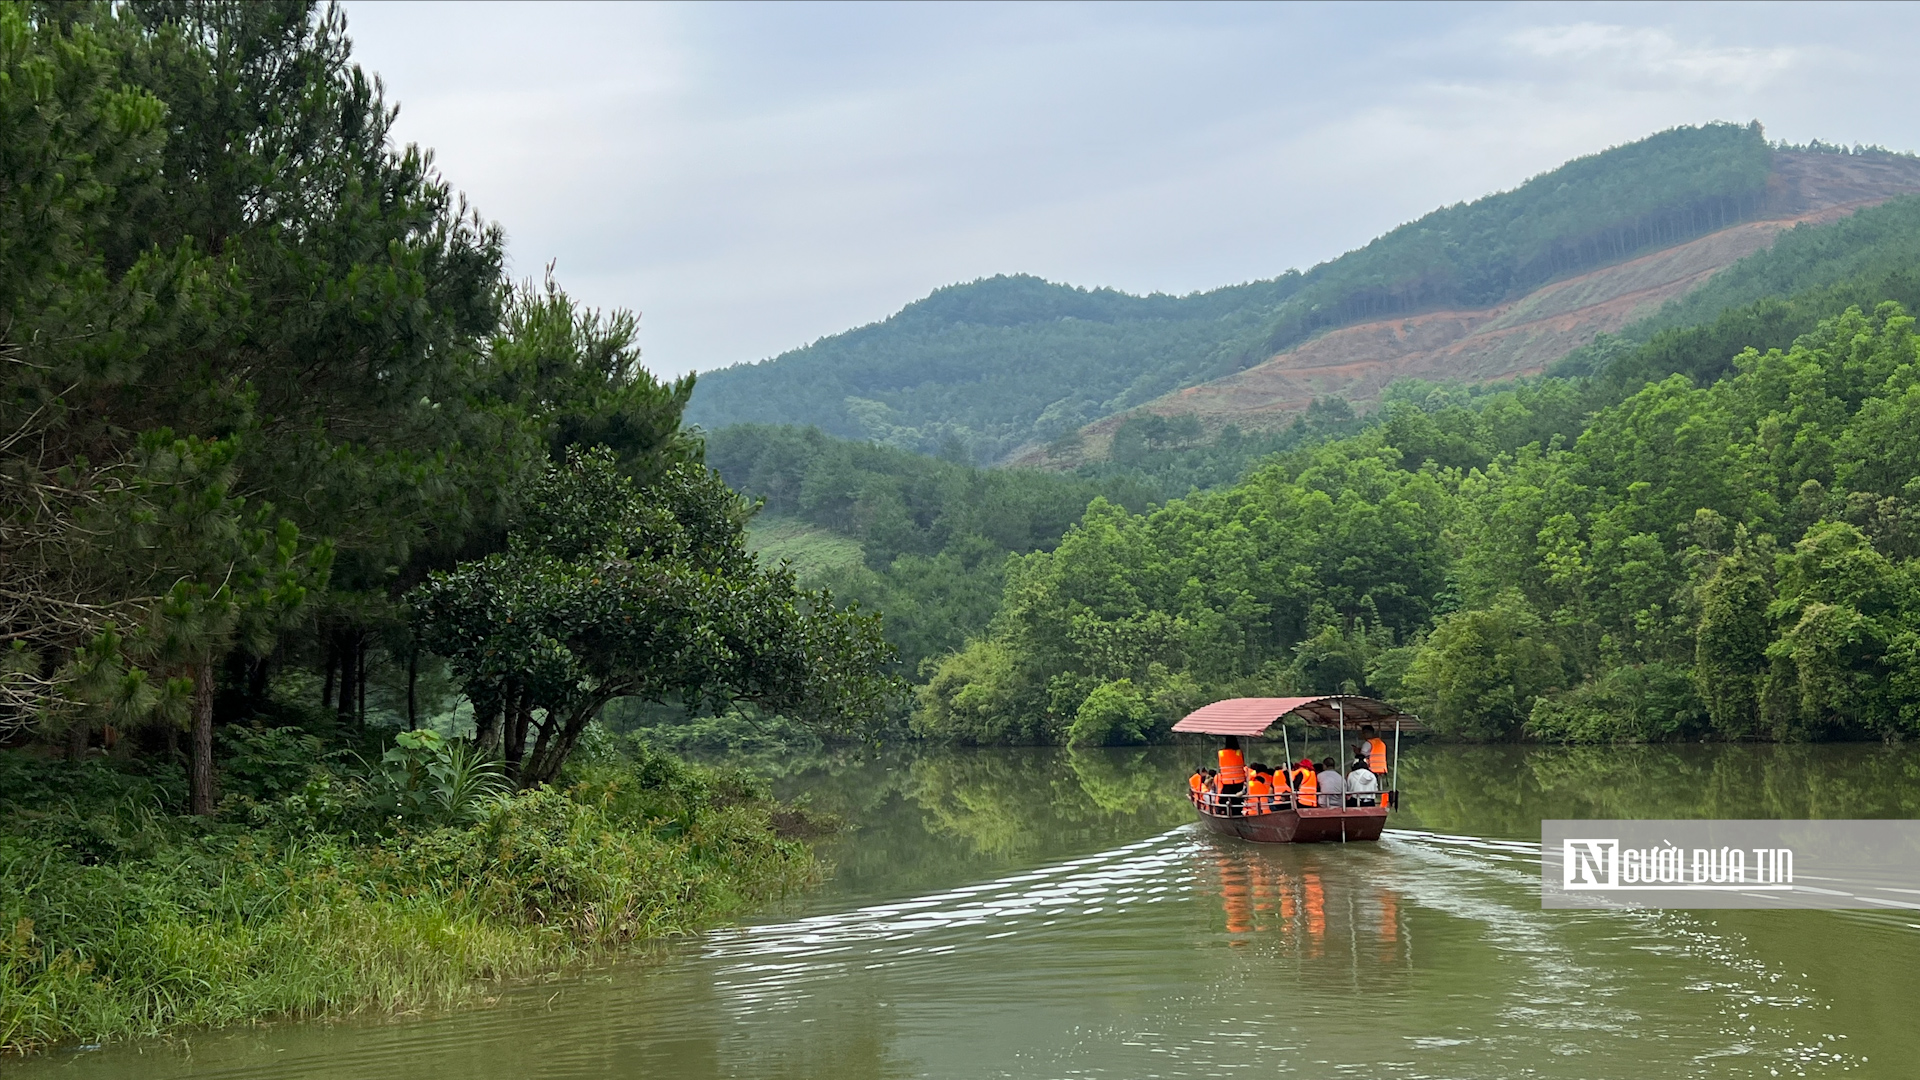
383,888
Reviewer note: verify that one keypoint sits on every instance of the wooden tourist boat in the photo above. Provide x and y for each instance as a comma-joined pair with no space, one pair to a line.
1288,823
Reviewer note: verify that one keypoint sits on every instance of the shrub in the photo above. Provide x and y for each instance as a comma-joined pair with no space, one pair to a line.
1641,703
1479,672
1115,714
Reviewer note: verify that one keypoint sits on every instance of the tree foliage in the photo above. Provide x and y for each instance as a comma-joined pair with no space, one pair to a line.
1735,558
611,591
264,375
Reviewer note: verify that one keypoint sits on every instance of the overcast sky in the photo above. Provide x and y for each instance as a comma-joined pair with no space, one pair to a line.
752,177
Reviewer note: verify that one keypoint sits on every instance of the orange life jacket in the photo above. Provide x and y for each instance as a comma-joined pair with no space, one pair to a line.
1258,791
1233,768
1307,783
1376,755
1196,784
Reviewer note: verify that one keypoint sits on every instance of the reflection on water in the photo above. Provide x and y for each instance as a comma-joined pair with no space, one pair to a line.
1040,913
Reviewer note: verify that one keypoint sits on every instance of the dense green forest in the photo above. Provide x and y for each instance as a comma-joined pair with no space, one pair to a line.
1734,560
981,368
932,536
1764,302
1863,258
925,541
283,454
978,369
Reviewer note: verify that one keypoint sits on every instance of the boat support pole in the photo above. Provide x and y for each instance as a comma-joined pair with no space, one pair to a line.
1393,782
1338,754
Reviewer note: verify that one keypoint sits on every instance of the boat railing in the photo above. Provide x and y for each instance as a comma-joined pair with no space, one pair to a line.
1212,802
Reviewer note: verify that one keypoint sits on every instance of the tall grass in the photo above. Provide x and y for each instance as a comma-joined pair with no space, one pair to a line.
248,923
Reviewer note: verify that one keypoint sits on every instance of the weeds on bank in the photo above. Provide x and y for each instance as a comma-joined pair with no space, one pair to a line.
411,883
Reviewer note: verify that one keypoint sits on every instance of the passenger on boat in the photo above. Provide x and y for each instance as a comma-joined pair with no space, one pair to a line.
1259,789
1365,786
1305,783
1333,786
1233,777
1197,783
1374,749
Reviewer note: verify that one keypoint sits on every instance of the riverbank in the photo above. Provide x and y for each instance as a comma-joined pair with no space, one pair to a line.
408,886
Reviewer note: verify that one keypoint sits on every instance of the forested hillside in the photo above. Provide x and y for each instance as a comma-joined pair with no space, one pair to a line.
929,539
1869,255
1735,559
981,368
984,368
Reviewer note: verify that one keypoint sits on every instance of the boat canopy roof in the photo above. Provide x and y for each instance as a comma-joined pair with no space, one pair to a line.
1250,716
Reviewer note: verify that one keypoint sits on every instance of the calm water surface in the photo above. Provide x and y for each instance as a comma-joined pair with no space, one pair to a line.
1041,913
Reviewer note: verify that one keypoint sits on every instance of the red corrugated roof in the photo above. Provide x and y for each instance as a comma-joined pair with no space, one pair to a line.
1249,716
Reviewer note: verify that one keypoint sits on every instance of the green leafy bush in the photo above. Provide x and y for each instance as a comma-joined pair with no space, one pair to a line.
197,927
1654,702
1114,714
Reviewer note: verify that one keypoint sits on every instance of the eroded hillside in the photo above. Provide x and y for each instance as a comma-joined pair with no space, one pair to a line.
1519,337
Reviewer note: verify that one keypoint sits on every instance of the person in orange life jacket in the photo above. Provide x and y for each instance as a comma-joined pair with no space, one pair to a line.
1233,775
1374,749
1197,784
1306,783
1282,791
1259,789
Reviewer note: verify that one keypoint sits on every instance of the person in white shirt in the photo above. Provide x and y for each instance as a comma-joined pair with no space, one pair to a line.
1333,790
1364,786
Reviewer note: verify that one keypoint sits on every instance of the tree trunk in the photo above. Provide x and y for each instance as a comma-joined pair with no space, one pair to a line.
360,682
344,646
547,758
535,769
326,688
519,715
200,768
413,677
259,675
488,726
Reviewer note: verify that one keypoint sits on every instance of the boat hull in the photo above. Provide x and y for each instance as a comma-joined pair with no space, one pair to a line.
1307,825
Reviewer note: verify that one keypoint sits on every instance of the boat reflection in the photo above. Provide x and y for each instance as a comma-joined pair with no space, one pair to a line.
1313,904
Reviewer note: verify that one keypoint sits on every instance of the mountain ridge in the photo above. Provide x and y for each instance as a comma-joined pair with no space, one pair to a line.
994,369
1504,341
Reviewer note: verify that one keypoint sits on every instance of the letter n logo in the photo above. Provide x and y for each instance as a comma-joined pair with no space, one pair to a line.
1590,864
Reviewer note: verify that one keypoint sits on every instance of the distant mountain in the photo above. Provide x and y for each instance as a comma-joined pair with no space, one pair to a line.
999,368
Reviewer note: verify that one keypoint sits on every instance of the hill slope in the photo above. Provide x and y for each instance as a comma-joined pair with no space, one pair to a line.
1638,296
983,368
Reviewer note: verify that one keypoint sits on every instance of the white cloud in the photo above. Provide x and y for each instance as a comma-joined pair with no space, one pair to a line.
1639,52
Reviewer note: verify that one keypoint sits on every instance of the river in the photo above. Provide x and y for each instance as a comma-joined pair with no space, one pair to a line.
1045,913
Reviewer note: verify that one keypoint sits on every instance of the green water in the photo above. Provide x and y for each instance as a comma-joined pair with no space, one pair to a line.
1030,913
